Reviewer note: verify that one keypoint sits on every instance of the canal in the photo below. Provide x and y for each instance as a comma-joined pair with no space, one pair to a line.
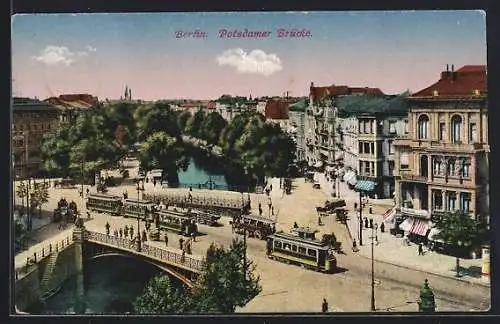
111,286
196,175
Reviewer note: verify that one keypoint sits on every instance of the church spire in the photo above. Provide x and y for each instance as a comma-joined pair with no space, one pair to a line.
126,92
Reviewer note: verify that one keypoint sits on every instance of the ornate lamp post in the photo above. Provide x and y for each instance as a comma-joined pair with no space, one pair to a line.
360,219
373,276
427,304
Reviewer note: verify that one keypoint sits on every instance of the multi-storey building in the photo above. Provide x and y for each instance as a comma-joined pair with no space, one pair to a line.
70,105
296,115
365,129
443,162
31,120
320,121
229,107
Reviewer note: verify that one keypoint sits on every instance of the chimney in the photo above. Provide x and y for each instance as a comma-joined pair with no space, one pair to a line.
447,68
453,73
312,84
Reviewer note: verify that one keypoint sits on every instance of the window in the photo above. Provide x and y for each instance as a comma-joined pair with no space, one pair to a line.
456,122
465,200
372,148
287,246
277,244
366,148
466,169
437,166
451,167
392,127
370,126
302,250
452,201
367,167
438,199
423,127
294,248
442,131
311,253
472,132
406,126
391,147
372,168
391,169
404,160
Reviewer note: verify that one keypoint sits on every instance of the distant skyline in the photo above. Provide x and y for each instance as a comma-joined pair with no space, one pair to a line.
100,54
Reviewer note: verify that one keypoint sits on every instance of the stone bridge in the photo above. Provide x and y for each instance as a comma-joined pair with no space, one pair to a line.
181,266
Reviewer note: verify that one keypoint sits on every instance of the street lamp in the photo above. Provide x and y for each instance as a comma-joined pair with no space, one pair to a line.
360,219
138,219
373,276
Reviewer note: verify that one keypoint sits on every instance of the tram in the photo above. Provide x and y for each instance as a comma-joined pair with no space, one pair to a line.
255,226
100,202
177,222
142,209
301,248
205,218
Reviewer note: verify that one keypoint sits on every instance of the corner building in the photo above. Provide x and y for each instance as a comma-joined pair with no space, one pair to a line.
442,164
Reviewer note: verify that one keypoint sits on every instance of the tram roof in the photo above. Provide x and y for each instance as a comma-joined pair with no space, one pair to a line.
103,195
173,213
259,218
140,201
292,237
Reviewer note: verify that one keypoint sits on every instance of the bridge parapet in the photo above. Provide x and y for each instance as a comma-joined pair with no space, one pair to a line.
187,262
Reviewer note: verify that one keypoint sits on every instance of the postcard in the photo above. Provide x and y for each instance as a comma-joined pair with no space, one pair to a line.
250,163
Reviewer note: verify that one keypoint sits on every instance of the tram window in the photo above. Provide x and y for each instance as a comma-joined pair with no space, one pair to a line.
277,244
302,250
311,253
287,246
294,248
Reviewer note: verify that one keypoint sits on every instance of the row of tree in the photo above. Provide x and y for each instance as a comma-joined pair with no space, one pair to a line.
226,282
100,139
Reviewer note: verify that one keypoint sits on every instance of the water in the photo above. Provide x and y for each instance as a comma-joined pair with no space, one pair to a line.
111,286
195,175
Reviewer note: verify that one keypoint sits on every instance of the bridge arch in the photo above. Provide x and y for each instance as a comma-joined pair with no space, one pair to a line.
181,277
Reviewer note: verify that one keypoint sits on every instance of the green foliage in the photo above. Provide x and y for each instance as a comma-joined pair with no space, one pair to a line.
194,123
156,117
40,195
211,127
182,120
161,297
221,287
21,190
225,284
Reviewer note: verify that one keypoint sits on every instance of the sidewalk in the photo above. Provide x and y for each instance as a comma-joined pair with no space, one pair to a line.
391,249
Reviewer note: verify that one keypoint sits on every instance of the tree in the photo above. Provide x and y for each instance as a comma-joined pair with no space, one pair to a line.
182,120
21,191
156,117
224,284
458,229
40,196
211,127
194,123
161,297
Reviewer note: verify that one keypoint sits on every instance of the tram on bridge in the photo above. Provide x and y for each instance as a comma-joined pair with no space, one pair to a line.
100,202
177,222
300,247
254,226
142,209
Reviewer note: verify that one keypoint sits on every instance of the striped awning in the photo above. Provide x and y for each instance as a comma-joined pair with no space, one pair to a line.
406,225
389,215
365,185
419,227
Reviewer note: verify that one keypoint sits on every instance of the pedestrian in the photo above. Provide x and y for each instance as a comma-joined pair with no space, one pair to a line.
80,192
121,232
107,228
193,235
420,249
154,182
382,228
295,225
125,231
319,221
183,257
354,245
260,210
166,240
131,232
271,188
371,222
115,233
324,306
181,243
272,210
61,226
144,236
366,222
88,190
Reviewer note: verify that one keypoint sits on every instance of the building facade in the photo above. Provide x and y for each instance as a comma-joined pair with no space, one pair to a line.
366,127
229,107
320,122
71,105
31,120
443,161
297,116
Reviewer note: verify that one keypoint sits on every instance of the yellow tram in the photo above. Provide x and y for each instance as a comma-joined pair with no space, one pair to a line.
303,249
177,222
99,202
142,209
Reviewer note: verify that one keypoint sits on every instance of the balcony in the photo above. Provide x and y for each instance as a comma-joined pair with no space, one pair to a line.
419,213
440,146
407,176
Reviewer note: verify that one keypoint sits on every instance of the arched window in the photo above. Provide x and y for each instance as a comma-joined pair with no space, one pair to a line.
456,124
423,127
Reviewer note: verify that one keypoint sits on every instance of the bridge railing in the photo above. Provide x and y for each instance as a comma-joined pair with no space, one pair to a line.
37,256
169,256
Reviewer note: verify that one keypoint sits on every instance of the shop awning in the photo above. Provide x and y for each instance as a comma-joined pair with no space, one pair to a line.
389,215
419,227
432,235
365,185
406,225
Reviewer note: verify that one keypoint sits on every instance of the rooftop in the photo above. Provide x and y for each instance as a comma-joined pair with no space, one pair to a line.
29,104
467,81
299,106
373,105
74,101
276,109
318,93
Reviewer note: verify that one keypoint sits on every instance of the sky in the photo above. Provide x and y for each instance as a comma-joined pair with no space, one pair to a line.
100,54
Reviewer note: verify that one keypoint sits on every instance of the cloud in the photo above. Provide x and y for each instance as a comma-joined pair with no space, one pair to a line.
257,61
54,55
